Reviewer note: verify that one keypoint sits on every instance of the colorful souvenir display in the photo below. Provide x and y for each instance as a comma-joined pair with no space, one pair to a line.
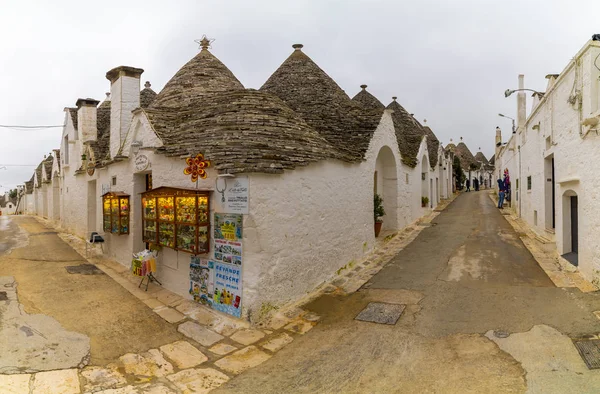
177,219
115,212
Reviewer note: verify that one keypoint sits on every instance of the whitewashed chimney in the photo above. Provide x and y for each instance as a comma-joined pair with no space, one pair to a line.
521,103
86,119
124,98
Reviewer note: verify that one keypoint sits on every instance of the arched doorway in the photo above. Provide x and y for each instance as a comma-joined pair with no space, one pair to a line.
425,180
386,185
570,224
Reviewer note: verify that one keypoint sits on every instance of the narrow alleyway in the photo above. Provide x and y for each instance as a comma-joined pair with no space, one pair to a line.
466,275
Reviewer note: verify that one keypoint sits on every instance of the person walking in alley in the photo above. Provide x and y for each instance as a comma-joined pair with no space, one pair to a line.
501,189
468,185
476,184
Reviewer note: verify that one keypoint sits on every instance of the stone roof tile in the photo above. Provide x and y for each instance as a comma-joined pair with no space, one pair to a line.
367,100
203,75
147,96
240,131
311,93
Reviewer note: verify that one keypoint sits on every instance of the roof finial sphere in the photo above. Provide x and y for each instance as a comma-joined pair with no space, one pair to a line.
107,95
363,87
147,84
461,138
297,46
394,98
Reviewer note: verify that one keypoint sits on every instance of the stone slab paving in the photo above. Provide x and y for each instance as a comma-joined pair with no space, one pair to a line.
102,378
222,349
183,354
247,336
14,384
148,364
64,381
198,380
242,360
169,314
278,342
200,334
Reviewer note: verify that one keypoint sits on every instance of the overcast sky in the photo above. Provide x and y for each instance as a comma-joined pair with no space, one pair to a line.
447,61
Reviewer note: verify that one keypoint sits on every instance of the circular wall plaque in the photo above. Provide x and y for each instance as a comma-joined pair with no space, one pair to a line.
141,162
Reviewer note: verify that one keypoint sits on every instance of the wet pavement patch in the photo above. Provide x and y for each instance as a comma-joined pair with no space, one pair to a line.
382,313
589,350
83,269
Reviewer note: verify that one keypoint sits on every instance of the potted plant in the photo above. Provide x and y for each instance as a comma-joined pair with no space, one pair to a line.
378,213
424,201
83,157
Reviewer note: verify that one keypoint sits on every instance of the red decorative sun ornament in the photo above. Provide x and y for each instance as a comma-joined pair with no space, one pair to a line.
195,167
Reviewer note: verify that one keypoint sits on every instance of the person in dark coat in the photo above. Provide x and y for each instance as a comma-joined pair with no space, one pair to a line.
501,190
468,185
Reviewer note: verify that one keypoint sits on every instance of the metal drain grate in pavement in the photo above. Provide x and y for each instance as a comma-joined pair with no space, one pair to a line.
83,269
589,350
382,313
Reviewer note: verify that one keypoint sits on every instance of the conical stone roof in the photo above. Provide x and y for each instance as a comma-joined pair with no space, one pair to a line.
408,133
465,156
239,130
147,95
479,156
433,145
204,74
367,100
315,96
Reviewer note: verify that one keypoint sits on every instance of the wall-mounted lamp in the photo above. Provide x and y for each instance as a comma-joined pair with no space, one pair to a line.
536,127
508,92
514,130
222,191
135,146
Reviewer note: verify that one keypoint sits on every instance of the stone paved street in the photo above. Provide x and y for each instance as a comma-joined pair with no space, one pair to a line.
466,275
478,314
64,332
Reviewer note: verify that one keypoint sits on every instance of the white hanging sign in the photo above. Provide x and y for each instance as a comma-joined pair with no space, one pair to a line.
233,196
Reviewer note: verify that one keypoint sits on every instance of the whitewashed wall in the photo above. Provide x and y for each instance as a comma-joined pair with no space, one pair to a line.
557,134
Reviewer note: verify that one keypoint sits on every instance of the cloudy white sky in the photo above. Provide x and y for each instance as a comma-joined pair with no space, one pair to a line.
447,61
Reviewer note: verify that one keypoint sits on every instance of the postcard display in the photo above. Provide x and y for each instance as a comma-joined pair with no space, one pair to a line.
218,282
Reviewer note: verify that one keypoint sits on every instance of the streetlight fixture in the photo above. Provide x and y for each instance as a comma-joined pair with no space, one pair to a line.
513,122
508,92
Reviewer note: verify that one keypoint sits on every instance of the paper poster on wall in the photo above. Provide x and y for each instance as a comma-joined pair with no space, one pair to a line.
227,296
228,251
234,194
228,226
201,280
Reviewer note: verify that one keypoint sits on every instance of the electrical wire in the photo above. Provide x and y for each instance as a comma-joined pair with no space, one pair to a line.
30,127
